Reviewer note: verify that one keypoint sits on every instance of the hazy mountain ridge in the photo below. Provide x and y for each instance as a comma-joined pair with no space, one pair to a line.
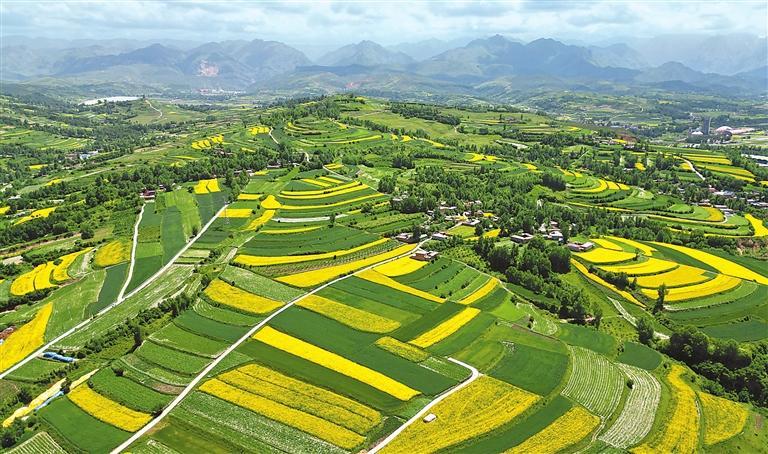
494,63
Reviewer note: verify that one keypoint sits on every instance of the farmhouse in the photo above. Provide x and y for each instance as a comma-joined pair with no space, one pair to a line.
521,238
581,247
425,256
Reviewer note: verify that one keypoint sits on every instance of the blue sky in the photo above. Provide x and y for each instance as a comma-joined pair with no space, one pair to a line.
336,23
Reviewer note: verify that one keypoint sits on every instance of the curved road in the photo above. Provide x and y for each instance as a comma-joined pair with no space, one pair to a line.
475,374
160,112
694,170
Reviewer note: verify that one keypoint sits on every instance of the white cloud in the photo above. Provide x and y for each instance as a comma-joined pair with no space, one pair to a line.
336,23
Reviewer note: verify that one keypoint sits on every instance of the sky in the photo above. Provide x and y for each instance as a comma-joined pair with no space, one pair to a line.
334,23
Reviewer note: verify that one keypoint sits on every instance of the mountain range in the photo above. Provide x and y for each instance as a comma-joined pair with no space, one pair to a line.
483,66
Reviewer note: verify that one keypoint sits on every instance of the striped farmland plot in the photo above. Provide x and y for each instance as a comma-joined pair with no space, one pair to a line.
636,419
595,382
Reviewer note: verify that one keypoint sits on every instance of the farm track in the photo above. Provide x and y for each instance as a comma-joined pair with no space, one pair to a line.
144,284
695,170
160,112
191,386
134,245
475,374
273,137
632,319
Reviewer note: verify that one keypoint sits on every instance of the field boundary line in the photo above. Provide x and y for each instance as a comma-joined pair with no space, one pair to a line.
473,376
87,321
191,386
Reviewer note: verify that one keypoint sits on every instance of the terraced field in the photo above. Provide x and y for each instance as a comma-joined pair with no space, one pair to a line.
298,322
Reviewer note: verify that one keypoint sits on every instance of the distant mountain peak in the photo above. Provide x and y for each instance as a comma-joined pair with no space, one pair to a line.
365,53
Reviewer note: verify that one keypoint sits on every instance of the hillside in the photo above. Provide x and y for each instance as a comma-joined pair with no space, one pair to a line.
324,274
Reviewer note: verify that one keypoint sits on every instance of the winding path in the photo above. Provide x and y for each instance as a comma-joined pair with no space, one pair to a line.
273,137
191,386
475,374
160,112
134,246
87,321
693,168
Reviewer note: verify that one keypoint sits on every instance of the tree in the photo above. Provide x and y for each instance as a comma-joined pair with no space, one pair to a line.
332,220
138,336
645,330
24,396
598,316
662,292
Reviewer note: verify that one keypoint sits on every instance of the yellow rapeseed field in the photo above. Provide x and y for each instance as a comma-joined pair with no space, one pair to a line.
445,328
330,179
480,293
112,253
315,277
306,422
54,181
334,166
236,213
26,339
265,374
41,213
374,276
61,272
347,190
564,432
603,256
681,276
249,196
400,267
583,270
4,210
259,129
722,265
43,276
723,418
107,410
303,397
25,283
402,349
639,166
715,215
757,225
256,260
602,185
348,315
38,278
682,435
650,266
261,220
270,203
333,190
479,408
212,185
34,403
721,283
332,361
330,205
607,244
322,184
201,187
223,293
